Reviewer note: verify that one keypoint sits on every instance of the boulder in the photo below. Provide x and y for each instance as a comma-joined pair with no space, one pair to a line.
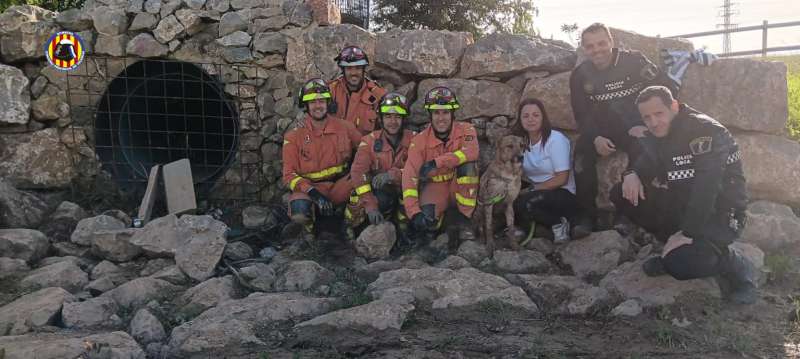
70,345
302,275
564,295
106,268
554,91
25,31
159,237
771,226
504,55
422,52
11,267
473,252
171,274
629,282
109,21
141,291
237,251
260,276
453,294
32,311
66,275
82,263
19,209
155,265
376,241
521,262
310,53
86,229
231,22
233,324
207,295
541,245
202,248
257,216
105,45
221,6
647,45
236,38
628,308
74,20
771,167
93,313
36,160
270,43
144,21
717,90
115,245
755,256
369,324
146,328
144,45
477,99
168,28
453,262
593,257
62,222
26,244
14,97
70,249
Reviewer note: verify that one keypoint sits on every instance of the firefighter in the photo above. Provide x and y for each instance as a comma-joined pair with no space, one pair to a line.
441,171
698,206
376,173
316,157
355,96
602,91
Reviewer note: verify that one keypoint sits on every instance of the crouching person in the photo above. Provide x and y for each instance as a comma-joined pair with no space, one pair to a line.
316,157
441,171
700,209
376,173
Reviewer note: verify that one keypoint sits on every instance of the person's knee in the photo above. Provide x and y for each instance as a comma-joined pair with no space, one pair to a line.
690,262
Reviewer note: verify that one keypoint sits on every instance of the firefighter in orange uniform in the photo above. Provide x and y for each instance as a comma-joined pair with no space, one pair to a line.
376,173
356,97
441,171
316,157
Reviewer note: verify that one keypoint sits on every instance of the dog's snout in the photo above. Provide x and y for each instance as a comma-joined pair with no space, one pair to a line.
518,158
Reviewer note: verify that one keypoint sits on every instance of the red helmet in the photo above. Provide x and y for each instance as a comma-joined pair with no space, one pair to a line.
352,56
441,98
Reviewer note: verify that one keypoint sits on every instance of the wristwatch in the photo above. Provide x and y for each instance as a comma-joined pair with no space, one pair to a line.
627,172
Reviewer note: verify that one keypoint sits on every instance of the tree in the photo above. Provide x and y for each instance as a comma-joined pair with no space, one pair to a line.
52,5
571,31
476,16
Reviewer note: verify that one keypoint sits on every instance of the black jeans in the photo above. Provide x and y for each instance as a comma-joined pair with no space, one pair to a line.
545,207
661,215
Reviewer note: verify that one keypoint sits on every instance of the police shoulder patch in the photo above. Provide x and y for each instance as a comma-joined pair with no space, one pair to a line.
701,145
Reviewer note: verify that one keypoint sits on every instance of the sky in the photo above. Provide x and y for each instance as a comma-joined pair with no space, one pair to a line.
652,17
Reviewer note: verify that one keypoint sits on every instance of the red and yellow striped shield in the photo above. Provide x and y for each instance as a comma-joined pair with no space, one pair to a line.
65,50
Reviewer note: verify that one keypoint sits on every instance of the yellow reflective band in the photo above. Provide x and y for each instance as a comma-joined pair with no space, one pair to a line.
362,144
314,96
396,109
469,202
410,193
285,142
467,180
441,107
363,189
443,178
294,181
353,199
325,173
347,213
461,156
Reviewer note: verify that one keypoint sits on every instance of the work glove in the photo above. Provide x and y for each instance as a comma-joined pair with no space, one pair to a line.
375,217
427,168
422,222
324,204
381,179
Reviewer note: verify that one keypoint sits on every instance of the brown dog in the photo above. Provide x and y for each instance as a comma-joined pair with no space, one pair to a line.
499,187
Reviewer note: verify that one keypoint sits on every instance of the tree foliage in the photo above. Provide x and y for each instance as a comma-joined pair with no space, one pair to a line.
476,16
52,5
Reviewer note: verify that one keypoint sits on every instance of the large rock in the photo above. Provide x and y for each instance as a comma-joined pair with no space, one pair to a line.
74,20
260,276
15,100
141,291
159,237
20,209
144,45
108,45
36,160
85,231
473,252
115,245
110,21
70,345
230,22
24,31
521,262
771,226
202,248
26,244
629,282
237,251
647,45
168,28
369,324
106,268
270,43
554,92
422,52
594,256
453,294
146,328
310,53
504,55
477,98
66,275
718,89
93,313
12,267
376,241
302,275
233,324
562,294
32,311
207,295
63,221
771,167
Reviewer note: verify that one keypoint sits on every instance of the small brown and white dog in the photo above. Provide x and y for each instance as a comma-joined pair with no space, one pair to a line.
499,187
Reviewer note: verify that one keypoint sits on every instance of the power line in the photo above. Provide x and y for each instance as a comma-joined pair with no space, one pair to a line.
726,13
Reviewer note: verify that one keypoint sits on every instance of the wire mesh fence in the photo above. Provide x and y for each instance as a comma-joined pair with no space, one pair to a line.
355,12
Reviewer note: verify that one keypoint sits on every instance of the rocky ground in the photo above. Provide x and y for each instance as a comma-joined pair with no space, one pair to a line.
82,286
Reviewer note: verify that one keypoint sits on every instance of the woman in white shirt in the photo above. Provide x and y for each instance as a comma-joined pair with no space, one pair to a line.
547,168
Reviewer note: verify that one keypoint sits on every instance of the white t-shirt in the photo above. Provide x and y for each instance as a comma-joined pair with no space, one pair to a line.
540,165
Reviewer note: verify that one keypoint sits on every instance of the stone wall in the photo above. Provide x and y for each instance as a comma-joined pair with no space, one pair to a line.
46,144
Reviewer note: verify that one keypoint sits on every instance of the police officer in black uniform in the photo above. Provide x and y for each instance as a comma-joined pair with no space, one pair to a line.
603,90
697,204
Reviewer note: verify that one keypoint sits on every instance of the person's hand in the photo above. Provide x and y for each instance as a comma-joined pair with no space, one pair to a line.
375,217
632,188
381,179
427,168
324,204
675,241
604,146
638,131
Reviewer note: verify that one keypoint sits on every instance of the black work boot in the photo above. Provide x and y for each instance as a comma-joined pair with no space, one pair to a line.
583,227
737,282
654,267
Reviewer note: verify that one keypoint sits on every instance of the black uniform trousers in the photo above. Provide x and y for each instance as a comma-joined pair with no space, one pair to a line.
545,207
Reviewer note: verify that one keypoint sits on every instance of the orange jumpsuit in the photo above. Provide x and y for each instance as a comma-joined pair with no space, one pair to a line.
360,107
444,185
370,161
319,158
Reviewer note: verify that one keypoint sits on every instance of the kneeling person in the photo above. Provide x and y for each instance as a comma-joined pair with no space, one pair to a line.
701,209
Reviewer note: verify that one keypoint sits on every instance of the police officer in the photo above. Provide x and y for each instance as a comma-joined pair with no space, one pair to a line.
355,96
698,202
603,90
